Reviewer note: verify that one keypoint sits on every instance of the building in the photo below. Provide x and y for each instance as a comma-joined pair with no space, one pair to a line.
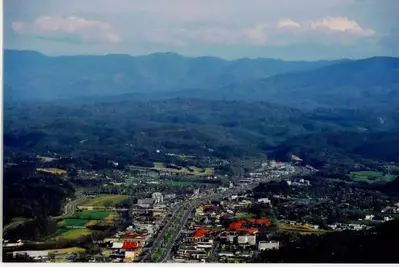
205,245
369,217
265,245
170,196
38,255
157,197
386,219
264,200
246,240
145,201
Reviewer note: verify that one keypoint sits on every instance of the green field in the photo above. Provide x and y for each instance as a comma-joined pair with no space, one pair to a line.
69,234
105,201
371,177
92,215
73,222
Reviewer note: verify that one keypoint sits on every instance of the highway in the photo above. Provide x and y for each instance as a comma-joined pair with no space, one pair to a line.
190,204
165,252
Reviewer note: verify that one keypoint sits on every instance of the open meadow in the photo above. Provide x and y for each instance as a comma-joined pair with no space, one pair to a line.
371,176
105,201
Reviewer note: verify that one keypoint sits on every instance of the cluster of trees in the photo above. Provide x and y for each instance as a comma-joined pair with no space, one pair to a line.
323,202
29,194
377,245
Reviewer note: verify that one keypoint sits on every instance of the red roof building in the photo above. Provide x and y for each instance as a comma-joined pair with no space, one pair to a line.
130,245
200,233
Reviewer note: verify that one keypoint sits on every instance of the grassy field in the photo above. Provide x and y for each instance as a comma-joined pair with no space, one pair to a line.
92,222
108,200
192,170
371,176
73,222
299,228
52,171
92,215
53,235
69,234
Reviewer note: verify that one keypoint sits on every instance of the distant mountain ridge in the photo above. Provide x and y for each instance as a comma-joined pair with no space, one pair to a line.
365,83
32,75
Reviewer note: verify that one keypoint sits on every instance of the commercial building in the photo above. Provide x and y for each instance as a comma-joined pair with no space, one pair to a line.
157,197
267,245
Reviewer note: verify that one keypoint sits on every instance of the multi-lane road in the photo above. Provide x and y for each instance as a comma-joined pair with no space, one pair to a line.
193,203
184,210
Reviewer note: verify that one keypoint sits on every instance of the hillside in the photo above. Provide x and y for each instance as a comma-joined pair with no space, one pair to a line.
372,82
30,75
340,148
132,130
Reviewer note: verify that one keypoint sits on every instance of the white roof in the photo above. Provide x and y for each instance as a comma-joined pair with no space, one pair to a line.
129,254
117,245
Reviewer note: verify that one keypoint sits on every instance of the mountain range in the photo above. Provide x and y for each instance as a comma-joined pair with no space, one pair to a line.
372,82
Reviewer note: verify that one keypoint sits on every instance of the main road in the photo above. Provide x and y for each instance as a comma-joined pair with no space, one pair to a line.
190,205
165,252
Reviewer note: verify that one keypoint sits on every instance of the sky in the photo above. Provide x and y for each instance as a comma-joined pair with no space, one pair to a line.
230,29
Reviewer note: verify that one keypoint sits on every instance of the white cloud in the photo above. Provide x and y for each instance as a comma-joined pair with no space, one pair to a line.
341,24
332,25
329,30
77,27
287,23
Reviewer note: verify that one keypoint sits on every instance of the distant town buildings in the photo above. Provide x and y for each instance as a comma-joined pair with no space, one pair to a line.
157,198
267,245
145,201
169,196
264,200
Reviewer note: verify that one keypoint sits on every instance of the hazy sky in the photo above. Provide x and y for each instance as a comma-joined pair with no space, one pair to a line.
288,29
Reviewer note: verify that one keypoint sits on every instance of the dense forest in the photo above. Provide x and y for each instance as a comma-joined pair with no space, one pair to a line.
377,245
29,194
129,131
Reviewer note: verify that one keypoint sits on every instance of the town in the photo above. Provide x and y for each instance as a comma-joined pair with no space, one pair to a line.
230,222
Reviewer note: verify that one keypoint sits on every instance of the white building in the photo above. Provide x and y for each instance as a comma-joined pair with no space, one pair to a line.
233,197
265,245
208,244
264,200
246,240
386,219
157,197
170,196
145,201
